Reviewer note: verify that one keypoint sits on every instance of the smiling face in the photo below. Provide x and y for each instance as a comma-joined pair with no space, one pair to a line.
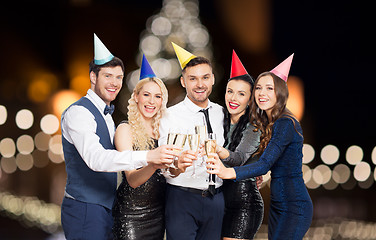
149,99
265,95
108,83
237,97
198,81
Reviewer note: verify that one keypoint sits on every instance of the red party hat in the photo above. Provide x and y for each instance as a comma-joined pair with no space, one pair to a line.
237,68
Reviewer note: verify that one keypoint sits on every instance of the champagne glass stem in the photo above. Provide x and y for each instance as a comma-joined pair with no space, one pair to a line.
194,169
172,165
210,147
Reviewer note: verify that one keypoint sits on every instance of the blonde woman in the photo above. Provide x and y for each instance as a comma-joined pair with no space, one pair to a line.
139,204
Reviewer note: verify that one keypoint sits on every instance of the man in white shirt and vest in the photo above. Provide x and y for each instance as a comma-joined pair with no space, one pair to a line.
192,211
90,156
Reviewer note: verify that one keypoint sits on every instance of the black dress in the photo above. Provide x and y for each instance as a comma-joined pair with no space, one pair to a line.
139,212
244,206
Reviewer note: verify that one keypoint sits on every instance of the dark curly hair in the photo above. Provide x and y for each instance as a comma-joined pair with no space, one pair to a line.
237,134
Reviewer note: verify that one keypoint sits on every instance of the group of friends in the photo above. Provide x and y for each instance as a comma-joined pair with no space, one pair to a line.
158,196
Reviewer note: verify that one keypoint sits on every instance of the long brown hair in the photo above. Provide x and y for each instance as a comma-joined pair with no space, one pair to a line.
259,118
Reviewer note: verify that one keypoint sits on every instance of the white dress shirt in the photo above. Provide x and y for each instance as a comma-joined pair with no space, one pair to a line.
183,117
78,127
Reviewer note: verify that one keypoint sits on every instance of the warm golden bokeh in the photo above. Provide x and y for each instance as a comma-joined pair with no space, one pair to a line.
295,103
80,84
78,70
248,22
62,100
41,87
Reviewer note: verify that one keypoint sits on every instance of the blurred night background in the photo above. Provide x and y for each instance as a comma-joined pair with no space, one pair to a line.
46,47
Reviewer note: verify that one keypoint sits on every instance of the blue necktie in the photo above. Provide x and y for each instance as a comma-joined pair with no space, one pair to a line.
109,109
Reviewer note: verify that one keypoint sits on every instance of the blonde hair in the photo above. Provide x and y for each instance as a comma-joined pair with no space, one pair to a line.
140,139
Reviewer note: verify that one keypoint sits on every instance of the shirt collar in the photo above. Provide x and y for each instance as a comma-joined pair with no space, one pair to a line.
193,107
98,102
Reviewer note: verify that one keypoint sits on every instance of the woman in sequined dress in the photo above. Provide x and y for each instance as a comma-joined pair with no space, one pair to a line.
281,144
139,205
244,207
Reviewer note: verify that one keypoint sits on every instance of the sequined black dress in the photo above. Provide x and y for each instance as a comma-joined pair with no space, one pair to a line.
139,212
244,207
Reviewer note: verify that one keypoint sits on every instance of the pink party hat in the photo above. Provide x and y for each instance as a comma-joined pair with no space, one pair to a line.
283,69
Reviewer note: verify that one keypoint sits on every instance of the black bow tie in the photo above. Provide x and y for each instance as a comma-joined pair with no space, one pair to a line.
109,109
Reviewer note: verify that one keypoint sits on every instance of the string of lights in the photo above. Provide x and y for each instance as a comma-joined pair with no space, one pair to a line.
31,211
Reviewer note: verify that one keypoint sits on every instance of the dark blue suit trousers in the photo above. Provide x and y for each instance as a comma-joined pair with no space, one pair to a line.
82,220
191,216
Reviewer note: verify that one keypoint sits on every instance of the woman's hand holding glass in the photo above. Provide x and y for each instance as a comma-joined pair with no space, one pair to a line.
215,166
177,140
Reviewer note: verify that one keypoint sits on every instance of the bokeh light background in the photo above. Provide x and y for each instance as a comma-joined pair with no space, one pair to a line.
46,48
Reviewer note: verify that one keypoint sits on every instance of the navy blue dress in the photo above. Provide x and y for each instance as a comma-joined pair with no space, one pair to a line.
291,209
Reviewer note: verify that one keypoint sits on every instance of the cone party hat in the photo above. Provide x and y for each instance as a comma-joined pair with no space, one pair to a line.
283,69
101,54
237,68
183,55
146,70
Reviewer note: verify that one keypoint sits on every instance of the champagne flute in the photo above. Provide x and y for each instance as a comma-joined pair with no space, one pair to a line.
171,138
193,142
201,131
179,142
210,147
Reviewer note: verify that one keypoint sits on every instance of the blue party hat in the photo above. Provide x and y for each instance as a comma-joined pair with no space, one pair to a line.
146,70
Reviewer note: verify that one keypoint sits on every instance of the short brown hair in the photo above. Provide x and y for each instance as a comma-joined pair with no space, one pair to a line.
113,63
197,61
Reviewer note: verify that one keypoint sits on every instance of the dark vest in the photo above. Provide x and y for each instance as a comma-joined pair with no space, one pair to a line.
84,184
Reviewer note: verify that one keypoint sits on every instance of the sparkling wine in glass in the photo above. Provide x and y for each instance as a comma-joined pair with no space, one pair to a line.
178,141
171,138
210,147
193,142
201,131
